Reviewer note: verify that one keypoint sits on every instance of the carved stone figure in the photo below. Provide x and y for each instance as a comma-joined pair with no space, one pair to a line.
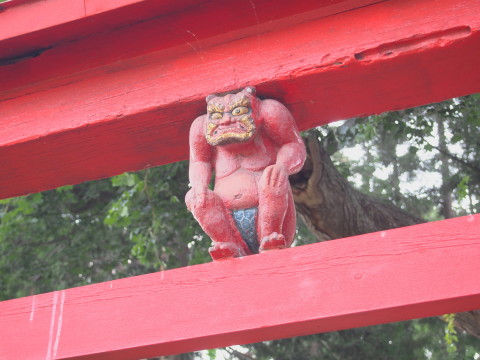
252,145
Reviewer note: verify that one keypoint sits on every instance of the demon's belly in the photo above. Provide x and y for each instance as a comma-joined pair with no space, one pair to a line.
239,190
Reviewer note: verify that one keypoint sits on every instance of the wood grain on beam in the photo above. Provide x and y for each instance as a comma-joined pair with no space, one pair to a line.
27,26
116,102
394,275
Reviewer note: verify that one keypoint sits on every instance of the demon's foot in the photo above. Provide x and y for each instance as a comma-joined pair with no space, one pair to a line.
224,250
273,241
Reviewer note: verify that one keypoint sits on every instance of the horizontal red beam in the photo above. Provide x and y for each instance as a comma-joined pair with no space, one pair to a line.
95,108
394,275
59,21
173,34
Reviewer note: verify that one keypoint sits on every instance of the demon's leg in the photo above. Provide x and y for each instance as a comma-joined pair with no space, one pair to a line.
274,222
216,220
290,221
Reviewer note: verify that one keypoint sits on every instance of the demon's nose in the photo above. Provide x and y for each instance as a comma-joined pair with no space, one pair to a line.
225,120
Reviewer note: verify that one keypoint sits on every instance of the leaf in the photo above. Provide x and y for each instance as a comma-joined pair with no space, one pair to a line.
174,199
462,187
124,211
456,138
413,150
126,179
212,354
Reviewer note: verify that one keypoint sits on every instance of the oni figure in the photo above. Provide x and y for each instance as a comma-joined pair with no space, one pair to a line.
251,145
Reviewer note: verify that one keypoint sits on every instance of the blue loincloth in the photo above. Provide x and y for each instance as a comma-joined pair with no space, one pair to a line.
246,221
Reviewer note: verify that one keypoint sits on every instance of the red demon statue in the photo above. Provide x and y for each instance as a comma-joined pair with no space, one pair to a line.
252,145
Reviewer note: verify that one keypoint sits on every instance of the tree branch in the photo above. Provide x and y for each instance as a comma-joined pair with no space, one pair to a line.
456,158
334,209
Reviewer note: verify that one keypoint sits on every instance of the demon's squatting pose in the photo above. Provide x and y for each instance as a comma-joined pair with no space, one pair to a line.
252,145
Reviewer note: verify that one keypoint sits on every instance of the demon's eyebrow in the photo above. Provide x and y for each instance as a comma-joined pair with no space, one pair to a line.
214,108
243,101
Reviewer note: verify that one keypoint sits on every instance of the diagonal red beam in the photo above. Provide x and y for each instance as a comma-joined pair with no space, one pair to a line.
364,280
75,113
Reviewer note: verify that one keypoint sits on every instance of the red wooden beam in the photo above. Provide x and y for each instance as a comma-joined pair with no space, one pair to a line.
29,25
124,100
394,275
57,21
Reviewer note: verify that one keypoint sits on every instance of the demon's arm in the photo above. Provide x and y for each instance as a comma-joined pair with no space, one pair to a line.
280,126
200,168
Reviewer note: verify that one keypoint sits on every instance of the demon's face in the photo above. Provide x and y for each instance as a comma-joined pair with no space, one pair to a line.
230,118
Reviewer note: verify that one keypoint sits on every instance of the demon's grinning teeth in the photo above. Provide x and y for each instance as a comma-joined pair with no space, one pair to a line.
240,132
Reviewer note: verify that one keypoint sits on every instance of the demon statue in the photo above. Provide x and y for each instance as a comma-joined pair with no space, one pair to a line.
252,145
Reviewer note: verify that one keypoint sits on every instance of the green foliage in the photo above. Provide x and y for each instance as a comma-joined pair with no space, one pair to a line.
153,216
98,231
401,154
450,337
462,187
46,241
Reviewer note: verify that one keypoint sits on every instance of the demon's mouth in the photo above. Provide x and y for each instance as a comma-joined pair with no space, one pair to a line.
239,131
237,127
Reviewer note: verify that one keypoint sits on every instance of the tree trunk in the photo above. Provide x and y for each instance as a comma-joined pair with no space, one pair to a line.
446,189
332,208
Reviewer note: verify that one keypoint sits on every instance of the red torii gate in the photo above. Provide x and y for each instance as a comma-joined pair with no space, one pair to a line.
93,88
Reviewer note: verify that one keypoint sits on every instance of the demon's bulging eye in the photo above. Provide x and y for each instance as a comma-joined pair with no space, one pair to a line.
240,110
216,116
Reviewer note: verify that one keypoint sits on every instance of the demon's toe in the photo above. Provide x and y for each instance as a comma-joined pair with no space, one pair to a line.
273,241
221,251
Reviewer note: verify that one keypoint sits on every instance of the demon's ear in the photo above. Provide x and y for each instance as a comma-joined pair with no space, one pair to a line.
251,90
210,97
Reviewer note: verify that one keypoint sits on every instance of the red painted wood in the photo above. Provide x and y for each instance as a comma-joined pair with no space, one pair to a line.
170,35
59,21
394,275
68,118
9,3
17,20
19,36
